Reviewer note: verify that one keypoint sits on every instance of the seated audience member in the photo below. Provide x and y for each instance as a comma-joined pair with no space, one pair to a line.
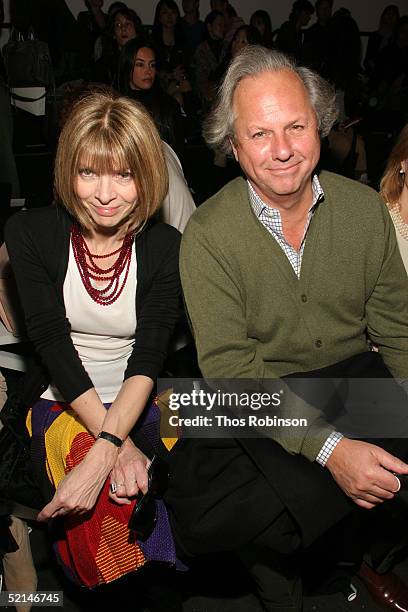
285,275
91,24
389,83
98,47
168,37
343,62
289,37
245,35
262,22
208,58
192,27
316,39
381,38
232,20
101,324
394,190
137,78
123,25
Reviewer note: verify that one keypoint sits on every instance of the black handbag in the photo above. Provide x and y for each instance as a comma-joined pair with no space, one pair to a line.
27,62
17,481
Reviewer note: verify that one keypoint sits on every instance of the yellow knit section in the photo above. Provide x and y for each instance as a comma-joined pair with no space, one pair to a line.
117,556
58,442
169,442
28,423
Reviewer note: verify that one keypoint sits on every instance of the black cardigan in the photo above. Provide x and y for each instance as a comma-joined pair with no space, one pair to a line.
38,245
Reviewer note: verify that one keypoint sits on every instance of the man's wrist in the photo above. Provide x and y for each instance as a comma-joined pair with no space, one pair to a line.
328,447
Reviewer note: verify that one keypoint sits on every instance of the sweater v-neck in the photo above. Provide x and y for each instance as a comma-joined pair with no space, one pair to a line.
306,270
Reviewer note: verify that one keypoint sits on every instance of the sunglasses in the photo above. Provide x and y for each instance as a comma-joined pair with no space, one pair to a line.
144,515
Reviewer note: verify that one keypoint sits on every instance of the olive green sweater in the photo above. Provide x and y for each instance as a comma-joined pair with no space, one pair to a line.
253,318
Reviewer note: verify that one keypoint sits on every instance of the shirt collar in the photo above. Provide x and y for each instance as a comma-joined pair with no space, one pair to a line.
258,206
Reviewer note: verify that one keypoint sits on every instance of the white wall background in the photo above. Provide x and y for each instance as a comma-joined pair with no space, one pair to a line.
365,13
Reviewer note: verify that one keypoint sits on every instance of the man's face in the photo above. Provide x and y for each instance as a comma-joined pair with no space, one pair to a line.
276,136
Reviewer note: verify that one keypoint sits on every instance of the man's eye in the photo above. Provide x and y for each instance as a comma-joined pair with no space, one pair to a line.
258,134
298,127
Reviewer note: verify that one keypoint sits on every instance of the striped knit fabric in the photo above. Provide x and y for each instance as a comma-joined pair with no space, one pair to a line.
96,548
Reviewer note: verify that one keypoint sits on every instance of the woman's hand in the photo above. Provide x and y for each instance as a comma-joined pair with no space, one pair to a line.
78,491
129,475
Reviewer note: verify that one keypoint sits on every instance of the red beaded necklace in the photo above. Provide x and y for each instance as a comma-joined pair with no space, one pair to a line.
88,269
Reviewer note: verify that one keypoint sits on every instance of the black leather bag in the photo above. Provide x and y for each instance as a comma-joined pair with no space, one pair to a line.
17,480
27,62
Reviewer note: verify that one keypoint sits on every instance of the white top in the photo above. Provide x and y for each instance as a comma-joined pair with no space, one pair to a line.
401,230
102,335
178,205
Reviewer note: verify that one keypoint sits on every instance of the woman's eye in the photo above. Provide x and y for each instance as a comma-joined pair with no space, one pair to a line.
86,172
125,175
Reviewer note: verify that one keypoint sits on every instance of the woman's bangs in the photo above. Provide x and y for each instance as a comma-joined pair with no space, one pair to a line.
103,154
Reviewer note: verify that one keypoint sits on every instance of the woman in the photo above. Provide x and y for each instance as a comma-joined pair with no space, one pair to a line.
124,24
100,292
381,38
262,22
168,37
137,79
394,190
208,57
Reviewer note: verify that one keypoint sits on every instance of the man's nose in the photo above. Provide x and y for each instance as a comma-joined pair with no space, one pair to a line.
105,192
282,148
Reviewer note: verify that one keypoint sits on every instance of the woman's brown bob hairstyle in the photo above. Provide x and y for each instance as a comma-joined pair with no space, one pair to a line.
110,134
392,183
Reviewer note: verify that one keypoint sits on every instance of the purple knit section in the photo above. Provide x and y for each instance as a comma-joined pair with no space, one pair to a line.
160,545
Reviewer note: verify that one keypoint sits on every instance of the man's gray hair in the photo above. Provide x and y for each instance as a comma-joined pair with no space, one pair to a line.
218,128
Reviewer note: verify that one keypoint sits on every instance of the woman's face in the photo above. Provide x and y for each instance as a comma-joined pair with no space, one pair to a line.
259,24
168,17
123,30
389,17
240,41
216,29
108,198
144,69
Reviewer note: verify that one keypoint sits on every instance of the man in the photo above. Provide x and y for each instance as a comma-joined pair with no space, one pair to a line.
286,272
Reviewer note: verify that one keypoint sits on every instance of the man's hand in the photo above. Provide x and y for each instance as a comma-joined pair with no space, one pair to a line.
78,491
363,472
129,474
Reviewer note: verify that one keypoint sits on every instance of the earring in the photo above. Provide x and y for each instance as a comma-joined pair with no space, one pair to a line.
402,171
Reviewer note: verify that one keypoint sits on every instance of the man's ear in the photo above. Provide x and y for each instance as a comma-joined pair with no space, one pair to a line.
234,149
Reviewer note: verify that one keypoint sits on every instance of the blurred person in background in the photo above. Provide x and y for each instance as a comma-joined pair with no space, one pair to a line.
262,22
289,37
124,24
208,58
137,79
394,190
